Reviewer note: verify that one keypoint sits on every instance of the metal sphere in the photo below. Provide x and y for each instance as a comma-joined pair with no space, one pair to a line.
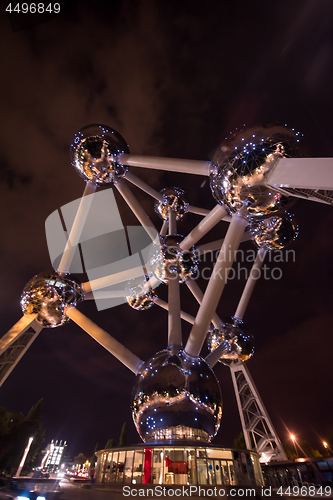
238,345
141,296
242,164
171,261
47,295
94,154
245,349
176,397
215,338
142,301
274,232
173,199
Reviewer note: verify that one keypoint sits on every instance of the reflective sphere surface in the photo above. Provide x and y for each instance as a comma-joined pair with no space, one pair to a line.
142,301
217,337
274,232
171,261
176,398
238,345
47,295
174,199
242,163
94,154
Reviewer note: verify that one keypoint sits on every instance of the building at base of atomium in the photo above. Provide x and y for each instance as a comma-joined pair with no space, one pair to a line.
185,464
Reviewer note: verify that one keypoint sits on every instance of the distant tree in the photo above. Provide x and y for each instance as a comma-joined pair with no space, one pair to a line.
35,413
303,450
239,441
93,458
12,442
15,431
33,424
109,443
4,421
80,459
122,437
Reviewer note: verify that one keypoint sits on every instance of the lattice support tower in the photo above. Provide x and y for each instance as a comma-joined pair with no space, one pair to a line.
258,430
15,344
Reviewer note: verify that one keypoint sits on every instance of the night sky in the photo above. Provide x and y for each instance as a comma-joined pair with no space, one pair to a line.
173,78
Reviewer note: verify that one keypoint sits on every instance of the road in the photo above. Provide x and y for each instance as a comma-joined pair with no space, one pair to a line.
77,492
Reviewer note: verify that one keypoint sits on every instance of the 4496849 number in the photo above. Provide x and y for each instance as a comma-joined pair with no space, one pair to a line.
33,8
305,491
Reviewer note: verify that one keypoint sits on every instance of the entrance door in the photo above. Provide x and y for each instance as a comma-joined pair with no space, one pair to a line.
225,472
211,475
218,475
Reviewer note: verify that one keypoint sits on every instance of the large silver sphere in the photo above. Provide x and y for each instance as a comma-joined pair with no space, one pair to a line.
173,199
274,232
47,295
238,345
171,261
243,162
94,154
176,398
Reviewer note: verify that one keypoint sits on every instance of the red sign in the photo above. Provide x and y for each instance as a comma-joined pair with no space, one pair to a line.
176,467
147,467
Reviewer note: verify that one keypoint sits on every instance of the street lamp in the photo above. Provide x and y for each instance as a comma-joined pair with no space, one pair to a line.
327,448
26,451
293,438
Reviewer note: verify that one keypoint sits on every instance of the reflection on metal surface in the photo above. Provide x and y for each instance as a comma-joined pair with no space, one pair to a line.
274,232
141,295
238,345
47,295
172,262
175,200
94,154
242,163
176,397
142,301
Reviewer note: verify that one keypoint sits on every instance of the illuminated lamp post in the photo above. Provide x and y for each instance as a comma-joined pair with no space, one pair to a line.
327,448
293,438
25,454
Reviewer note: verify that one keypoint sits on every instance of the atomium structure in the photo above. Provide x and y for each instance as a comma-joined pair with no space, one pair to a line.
255,176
